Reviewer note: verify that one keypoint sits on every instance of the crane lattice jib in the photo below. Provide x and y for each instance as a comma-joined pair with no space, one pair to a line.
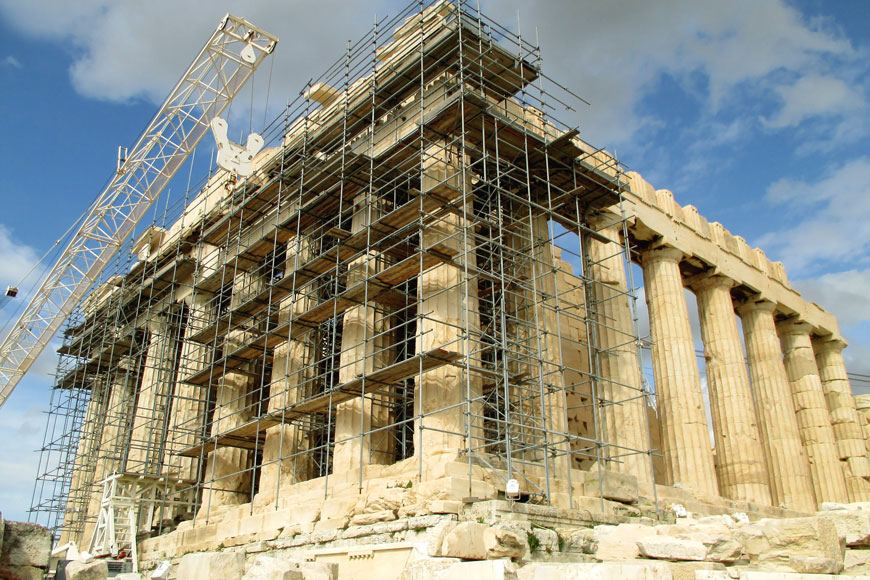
223,66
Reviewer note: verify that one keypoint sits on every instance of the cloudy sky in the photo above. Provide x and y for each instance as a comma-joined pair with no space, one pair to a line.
755,111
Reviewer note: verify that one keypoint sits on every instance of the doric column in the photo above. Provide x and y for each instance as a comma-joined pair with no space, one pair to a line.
862,404
285,460
82,481
188,409
365,347
188,420
814,420
448,304
121,387
791,484
844,417
119,415
227,469
553,288
740,459
625,424
147,444
685,439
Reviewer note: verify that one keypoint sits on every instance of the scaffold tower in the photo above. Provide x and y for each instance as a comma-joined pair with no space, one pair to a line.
423,279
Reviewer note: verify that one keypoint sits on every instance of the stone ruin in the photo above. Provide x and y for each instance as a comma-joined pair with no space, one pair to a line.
25,550
407,347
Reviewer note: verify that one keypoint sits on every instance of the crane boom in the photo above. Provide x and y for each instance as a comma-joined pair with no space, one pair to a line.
217,74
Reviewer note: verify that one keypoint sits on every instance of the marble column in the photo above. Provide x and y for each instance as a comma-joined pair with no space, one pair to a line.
188,410
121,395
188,421
791,484
147,444
844,417
82,482
552,290
119,416
740,461
365,347
814,420
227,469
685,437
862,404
285,460
619,365
226,473
448,304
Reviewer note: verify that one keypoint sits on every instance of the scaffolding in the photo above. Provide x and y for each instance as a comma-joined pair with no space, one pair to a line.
127,500
408,269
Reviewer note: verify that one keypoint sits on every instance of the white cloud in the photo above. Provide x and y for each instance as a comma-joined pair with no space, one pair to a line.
828,231
16,261
22,428
700,160
11,62
857,358
17,258
826,111
613,53
129,50
843,294
815,95
22,420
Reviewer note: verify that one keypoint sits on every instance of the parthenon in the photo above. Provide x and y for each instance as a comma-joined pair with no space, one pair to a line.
427,287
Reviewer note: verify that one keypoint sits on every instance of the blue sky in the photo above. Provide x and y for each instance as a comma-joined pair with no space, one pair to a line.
757,112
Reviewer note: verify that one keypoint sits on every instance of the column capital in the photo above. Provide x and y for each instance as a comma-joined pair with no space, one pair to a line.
709,281
124,365
603,219
157,324
755,303
662,254
194,299
829,344
793,325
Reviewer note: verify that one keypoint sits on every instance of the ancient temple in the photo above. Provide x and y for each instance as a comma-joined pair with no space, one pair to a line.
426,291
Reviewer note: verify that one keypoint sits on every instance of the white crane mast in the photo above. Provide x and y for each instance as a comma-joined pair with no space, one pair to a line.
217,74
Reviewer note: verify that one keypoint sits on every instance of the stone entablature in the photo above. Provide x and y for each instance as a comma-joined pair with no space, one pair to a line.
657,216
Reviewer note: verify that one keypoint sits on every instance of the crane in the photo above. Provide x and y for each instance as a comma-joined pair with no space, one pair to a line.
225,63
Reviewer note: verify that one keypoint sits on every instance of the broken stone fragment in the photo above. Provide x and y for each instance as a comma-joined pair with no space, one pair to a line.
620,542
853,527
212,566
500,543
806,545
93,570
668,548
26,544
373,518
465,541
